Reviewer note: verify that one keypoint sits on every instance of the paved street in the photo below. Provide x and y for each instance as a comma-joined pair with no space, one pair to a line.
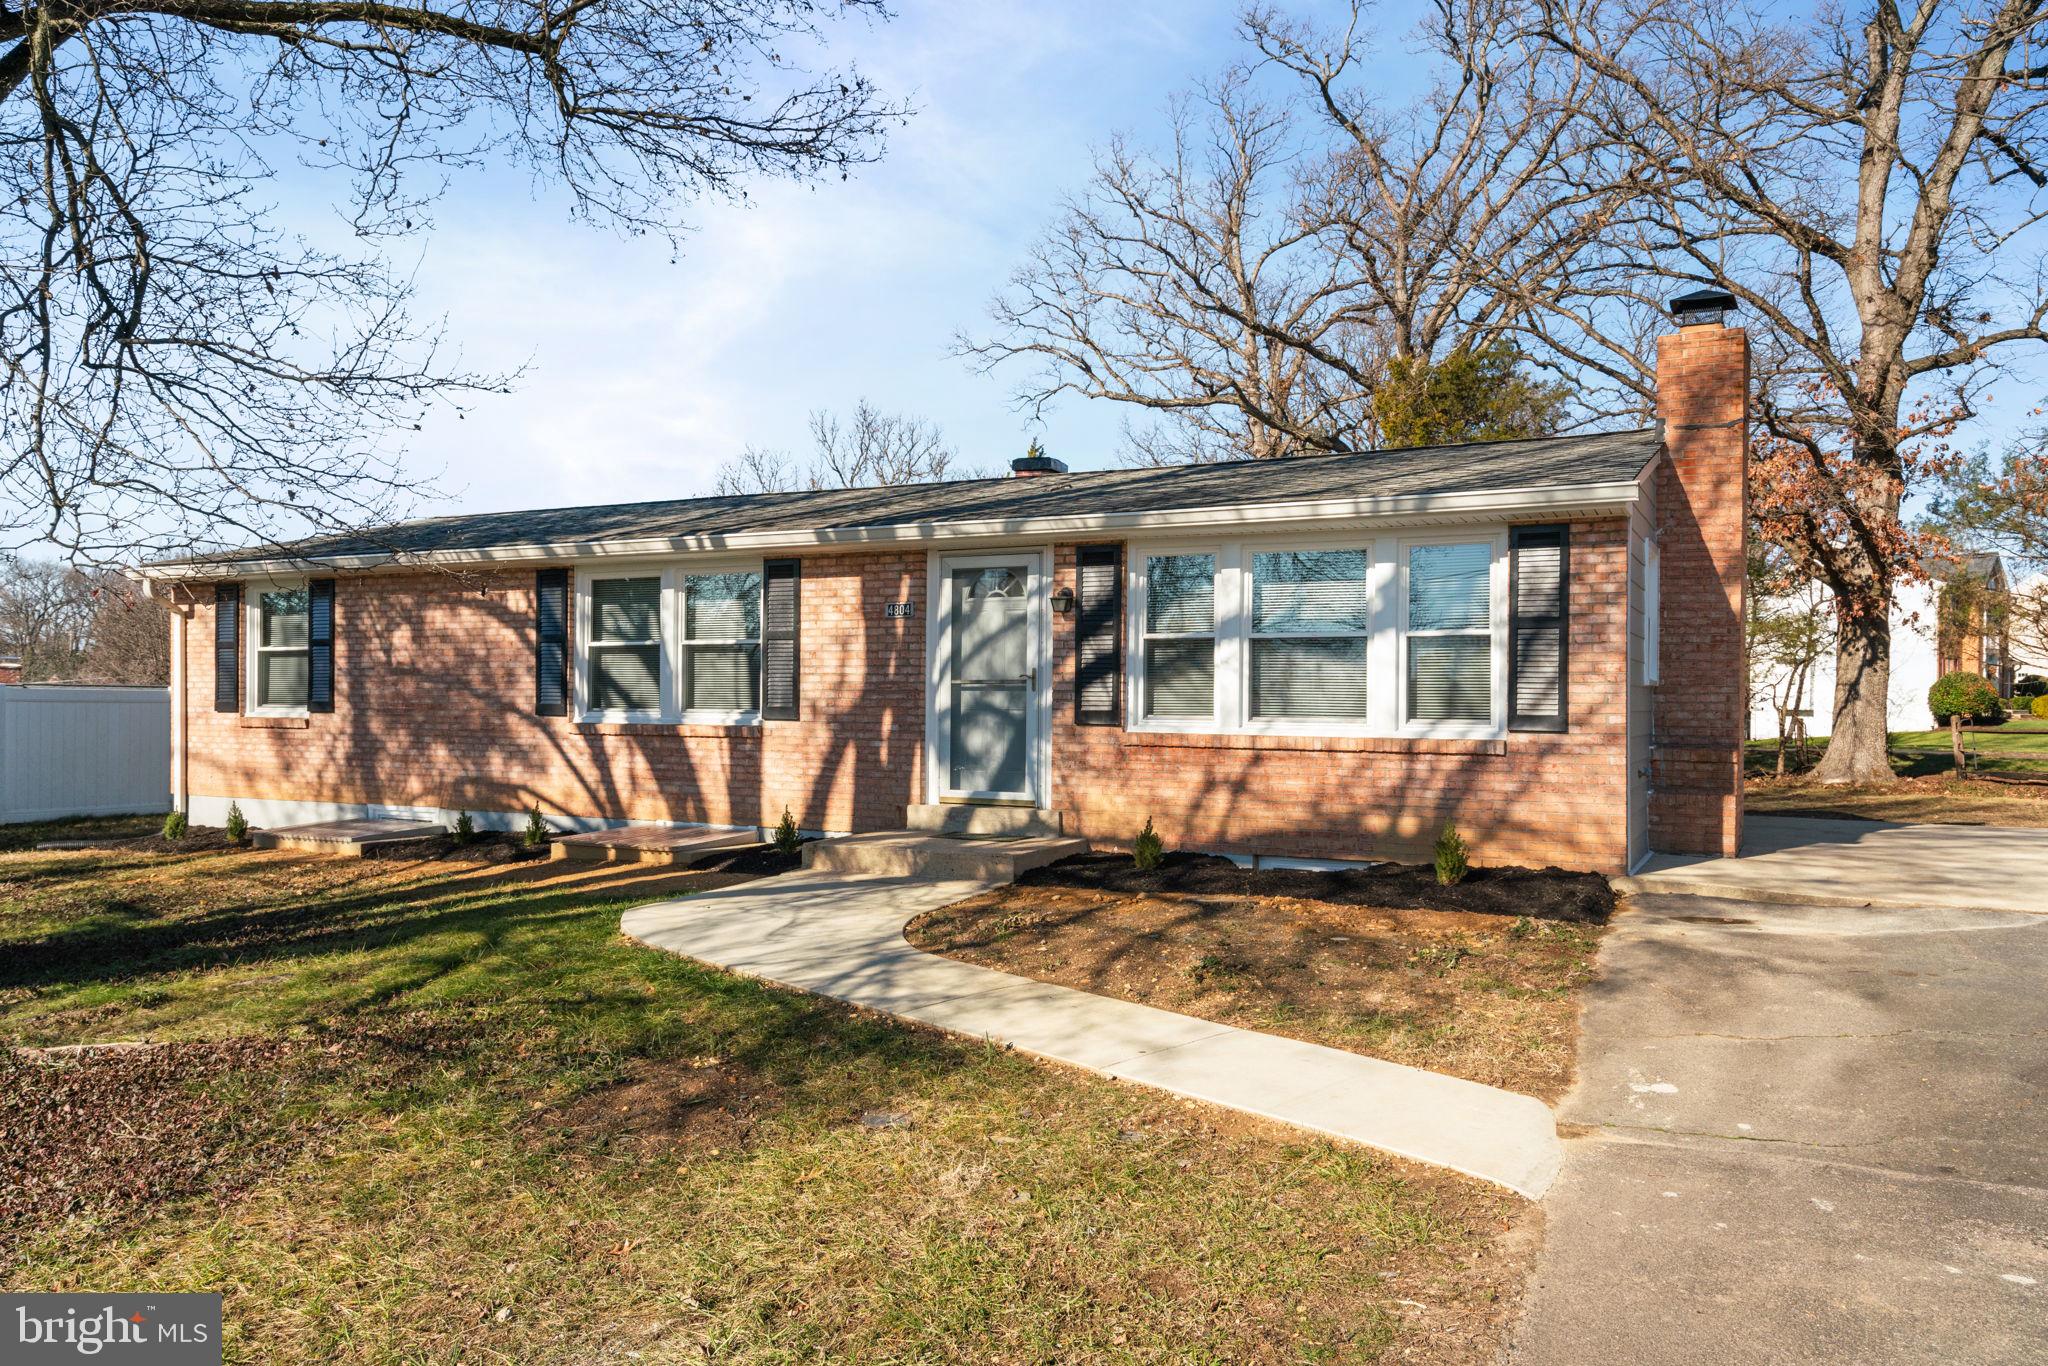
1808,1135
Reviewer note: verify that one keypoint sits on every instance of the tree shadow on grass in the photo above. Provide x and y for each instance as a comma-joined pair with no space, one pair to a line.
125,938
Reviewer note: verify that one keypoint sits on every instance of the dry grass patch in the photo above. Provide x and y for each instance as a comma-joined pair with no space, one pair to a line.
1486,997
1933,800
609,1150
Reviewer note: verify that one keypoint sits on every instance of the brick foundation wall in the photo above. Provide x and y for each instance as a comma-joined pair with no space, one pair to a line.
1533,799
1700,713
434,707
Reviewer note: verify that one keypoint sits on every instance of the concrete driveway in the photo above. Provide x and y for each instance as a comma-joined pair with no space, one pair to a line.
1808,1135
1865,863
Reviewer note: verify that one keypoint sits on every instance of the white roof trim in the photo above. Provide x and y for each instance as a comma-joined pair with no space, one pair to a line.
1580,500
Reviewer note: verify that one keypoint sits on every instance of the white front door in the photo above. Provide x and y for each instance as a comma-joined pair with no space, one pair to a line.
989,675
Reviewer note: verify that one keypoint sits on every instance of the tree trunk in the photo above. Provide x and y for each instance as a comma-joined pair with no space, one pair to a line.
1863,674
1955,742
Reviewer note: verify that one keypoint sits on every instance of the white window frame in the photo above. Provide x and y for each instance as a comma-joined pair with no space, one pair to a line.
1495,727
671,573
1386,648
744,716
254,649
1139,619
1244,597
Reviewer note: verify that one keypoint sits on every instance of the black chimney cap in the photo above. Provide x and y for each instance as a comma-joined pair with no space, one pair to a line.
1037,464
1702,306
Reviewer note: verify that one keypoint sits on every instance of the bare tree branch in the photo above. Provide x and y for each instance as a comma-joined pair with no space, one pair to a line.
181,375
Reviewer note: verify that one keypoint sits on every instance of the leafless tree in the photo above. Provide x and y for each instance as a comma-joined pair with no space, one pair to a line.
1462,218
1871,191
871,448
1194,286
1251,284
80,625
181,373
44,612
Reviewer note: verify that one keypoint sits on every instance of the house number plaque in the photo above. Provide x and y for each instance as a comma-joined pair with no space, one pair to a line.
895,609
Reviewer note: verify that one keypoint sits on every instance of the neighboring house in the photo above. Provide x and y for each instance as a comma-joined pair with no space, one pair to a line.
1324,657
1974,633
10,669
1939,625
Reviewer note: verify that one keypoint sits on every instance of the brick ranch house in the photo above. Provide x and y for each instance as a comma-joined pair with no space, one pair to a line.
1319,658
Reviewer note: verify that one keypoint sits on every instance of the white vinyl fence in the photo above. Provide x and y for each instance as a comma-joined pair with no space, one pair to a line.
76,751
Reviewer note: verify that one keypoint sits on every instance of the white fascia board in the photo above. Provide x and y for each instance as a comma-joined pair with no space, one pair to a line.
1449,509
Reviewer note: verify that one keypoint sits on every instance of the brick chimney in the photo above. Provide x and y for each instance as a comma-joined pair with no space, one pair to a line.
1035,462
1701,492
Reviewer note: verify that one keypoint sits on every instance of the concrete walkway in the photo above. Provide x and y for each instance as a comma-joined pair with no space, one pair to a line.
841,935
1797,860
1807,1136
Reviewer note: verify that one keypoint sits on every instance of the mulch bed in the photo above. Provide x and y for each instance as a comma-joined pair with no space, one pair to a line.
753,860
110,1133
1539,894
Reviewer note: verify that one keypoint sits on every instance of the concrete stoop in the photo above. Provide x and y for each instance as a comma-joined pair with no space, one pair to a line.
968,818
648,844
911,853
353,838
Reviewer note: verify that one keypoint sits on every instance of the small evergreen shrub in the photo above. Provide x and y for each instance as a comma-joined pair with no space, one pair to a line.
238,824
1148,849
788,839
1451,865
2039,706
465,828
1966,695
174,826
537,831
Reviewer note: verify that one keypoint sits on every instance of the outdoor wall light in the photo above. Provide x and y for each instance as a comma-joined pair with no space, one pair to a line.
1063,600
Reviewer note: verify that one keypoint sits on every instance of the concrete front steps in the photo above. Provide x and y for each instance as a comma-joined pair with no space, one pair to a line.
350,838
915,853
648,844
964,818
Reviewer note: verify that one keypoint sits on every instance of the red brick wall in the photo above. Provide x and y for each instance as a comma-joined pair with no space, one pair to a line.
1530,799
1702,489
434,707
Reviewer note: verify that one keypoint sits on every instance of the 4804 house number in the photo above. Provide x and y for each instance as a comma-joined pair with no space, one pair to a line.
895,609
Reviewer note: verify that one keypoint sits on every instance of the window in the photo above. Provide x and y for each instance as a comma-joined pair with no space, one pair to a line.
281,661
673,644
1311,625
625,645
722,642
1180,636
1450,633
1389,635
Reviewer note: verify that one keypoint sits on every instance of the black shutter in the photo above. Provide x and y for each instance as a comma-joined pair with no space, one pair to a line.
551,642
320,645
1539,627
1099,636
227,647
781,619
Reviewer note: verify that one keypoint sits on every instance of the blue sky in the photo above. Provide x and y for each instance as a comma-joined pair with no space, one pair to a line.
642,375
643,372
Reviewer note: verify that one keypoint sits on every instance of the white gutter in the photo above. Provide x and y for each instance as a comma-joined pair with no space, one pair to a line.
1605,500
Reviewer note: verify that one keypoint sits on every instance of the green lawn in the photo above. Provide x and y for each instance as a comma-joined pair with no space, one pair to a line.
430,1112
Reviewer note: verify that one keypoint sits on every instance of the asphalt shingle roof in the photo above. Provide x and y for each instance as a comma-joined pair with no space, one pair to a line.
1543,462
